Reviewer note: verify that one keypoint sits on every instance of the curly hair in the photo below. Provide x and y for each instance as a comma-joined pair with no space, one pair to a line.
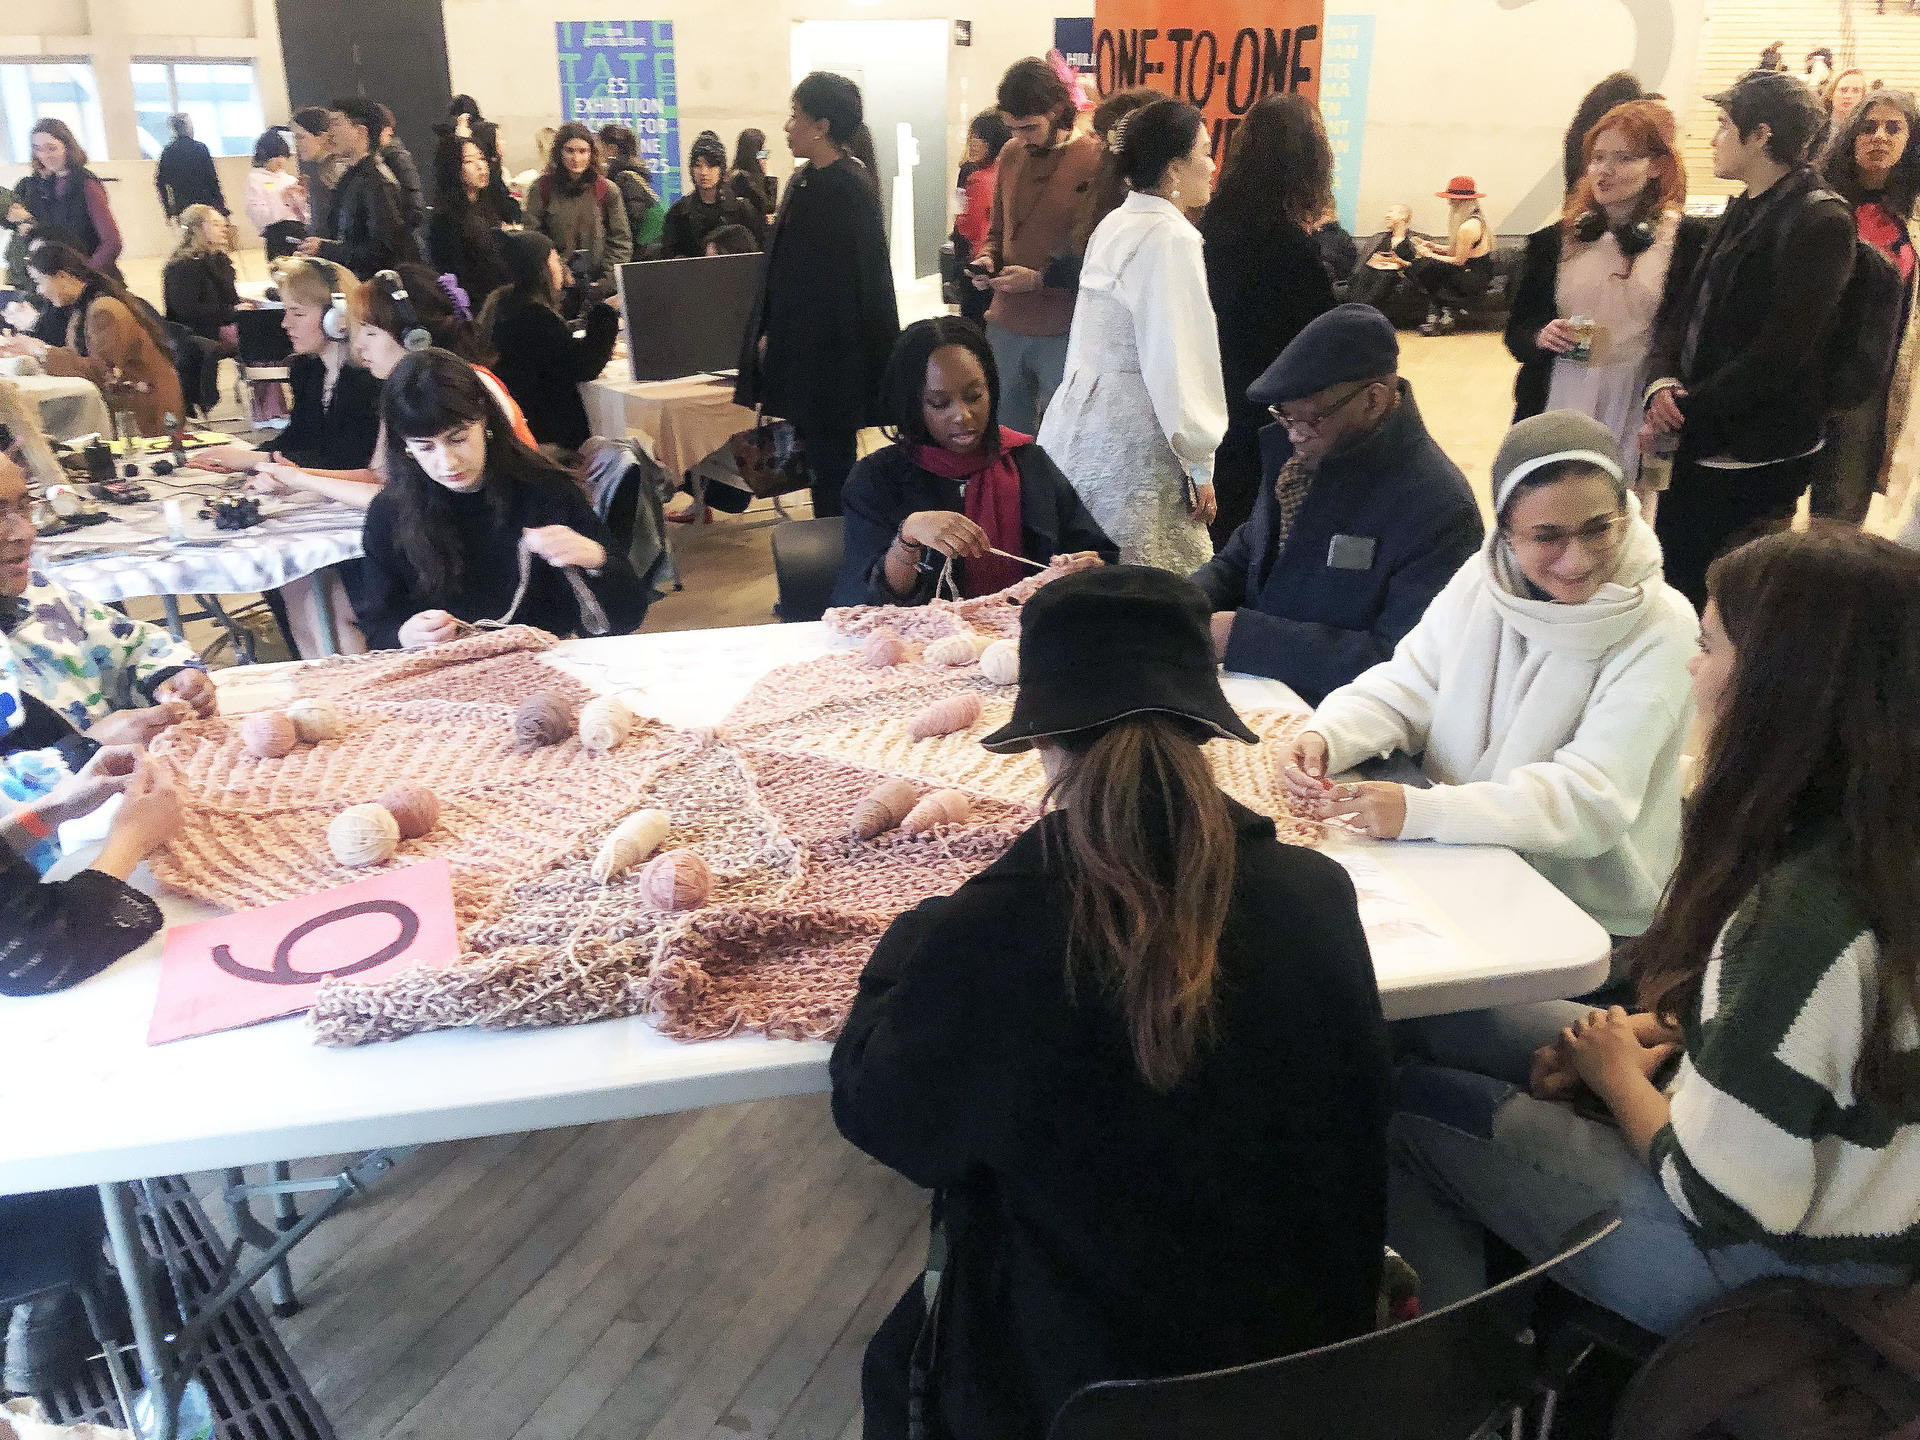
1278,170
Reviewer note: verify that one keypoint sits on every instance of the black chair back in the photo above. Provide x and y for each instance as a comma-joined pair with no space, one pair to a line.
806,560
1440,1377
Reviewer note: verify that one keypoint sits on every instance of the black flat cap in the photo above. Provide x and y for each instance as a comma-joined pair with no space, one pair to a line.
1349,342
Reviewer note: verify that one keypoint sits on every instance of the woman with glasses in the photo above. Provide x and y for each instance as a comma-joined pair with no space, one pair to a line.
1546,686
1595,282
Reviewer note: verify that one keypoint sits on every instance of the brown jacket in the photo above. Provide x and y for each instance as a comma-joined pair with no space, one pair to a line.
1036,201
133,372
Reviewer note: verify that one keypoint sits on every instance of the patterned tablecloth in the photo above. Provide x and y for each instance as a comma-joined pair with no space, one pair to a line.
131,554
70,405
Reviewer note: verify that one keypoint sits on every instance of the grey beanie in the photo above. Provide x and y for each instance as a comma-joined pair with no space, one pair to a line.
709,147
1542,440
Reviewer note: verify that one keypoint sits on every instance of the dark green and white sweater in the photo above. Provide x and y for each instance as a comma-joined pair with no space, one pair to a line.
1768,1140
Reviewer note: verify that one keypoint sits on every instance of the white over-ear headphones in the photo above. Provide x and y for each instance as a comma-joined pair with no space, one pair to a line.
333,324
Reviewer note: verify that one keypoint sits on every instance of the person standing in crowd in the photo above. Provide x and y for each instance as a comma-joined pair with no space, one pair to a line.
1819,67
646,216
1361,519
749,179
1760,1100
1738,363
573,206
277,196
979,175
112,339
1616,89
1140,413
956,484
406,175
467,511
198,281
62,201
1616,260
1040,188
1874,166
464,236
1545,689
825,321
1840,97
185,175
1263,273
708,206
542,363
367,232
1149,1030
1456,276
320,168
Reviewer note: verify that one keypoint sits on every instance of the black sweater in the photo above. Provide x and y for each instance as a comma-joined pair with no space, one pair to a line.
1101,1230
692,220
200,294
886,487
336,436
391,591
543,366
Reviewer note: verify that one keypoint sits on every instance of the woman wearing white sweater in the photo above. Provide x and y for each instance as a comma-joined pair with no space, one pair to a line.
1546,685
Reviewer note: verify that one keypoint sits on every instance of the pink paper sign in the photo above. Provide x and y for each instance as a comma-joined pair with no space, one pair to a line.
261,964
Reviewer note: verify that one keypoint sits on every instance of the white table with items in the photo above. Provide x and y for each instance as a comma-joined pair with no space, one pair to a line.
123,1109
70,405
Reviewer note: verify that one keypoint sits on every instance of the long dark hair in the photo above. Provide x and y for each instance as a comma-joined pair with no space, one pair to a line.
271,145
1277,172
1615,89
746,153
429,393
76,156
902,418
1819,723
1841,164
1107,190
1149,860
54,257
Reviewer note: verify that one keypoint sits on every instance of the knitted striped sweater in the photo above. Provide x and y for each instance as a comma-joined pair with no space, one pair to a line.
1769,1141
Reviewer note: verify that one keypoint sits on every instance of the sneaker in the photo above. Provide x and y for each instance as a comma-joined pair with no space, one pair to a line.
1431,325
1447,322
48,1344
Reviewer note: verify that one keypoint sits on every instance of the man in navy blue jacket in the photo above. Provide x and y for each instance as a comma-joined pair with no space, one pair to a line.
1360,521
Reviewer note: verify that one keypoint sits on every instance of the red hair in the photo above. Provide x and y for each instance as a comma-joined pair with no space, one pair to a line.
1648,126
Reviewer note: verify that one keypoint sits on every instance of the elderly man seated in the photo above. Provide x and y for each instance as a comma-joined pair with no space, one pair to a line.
1361,520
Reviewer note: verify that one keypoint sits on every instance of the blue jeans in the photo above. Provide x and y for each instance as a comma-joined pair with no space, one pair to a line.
1470,1151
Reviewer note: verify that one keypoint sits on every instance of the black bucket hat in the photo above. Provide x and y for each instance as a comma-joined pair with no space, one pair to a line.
1117,640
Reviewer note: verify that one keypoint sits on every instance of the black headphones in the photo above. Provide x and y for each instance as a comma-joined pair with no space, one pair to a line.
413,335
1633,239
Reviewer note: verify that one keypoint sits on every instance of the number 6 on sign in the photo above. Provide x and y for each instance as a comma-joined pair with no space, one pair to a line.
261,964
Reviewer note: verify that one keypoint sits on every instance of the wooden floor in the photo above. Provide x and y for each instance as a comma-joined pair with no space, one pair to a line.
714,1273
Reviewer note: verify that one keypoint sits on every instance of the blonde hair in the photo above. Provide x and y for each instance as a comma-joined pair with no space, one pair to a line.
307,281
193,240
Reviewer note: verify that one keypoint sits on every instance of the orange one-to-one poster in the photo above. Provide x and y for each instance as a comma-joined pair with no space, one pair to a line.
1218,55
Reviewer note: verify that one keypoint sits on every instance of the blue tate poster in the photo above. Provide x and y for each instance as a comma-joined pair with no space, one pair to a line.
1345,58
621,72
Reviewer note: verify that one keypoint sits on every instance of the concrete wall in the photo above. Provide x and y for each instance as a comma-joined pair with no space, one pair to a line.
112,33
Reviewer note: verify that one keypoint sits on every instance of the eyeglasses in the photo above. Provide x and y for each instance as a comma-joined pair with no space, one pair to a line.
1596,537
1310,424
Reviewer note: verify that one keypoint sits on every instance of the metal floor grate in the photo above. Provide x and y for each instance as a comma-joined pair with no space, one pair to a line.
256,1390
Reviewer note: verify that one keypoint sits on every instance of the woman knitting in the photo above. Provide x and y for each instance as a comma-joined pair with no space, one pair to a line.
1140,1057
956,490
1547,686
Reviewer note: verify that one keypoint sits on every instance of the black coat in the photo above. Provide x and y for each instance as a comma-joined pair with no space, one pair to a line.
322,436
826,306
1101,1230
1265,288
406,178
1535,304
390,590
1314,625
466,245
367,232
185,176
543,366
200,293
691,220
1756,384
886,487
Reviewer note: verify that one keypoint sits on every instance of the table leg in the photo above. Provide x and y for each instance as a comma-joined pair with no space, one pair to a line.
286,1215
157,1360
172,607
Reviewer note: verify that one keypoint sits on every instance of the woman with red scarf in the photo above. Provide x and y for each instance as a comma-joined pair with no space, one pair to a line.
956,494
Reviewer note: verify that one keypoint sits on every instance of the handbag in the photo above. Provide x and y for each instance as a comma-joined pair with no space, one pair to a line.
770,458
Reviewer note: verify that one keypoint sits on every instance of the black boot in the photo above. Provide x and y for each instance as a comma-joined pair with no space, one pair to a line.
48,1344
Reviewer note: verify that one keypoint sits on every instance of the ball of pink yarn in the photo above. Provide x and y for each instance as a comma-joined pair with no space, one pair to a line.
677,880
268,734
943,807
883,648
943,717
414,807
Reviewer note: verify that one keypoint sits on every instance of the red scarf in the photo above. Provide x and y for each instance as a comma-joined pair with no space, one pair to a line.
992,485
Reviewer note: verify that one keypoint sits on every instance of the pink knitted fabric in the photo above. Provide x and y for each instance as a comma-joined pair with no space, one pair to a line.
796,906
